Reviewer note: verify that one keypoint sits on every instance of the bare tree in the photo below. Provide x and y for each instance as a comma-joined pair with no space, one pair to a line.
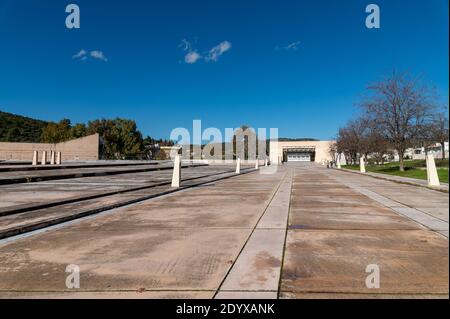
439,131
379,146
400,106
346,142
352,140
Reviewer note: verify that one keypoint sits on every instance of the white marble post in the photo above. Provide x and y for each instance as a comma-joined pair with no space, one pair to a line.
35,158
432,175
52,158
58,158
257,163
362,165
266,162
238,166
338,162
44,158
176,177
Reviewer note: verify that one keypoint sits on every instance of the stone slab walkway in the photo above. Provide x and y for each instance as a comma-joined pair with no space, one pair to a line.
339,225
302,232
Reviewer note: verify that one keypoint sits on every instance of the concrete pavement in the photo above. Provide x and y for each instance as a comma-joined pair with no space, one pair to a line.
303,232
336,231
178,244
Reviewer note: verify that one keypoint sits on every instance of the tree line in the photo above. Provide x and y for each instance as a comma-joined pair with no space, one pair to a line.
396,113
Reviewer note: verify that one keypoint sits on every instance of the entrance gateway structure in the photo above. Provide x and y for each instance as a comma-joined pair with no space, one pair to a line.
300,151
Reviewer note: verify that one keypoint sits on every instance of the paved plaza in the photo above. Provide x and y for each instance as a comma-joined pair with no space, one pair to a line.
304,231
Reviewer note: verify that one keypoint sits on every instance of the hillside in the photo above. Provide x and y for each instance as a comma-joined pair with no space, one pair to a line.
16,128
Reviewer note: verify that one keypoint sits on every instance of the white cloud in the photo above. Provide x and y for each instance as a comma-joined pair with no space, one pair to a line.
185,45
96,54
218,50
192,57
294,46
80,55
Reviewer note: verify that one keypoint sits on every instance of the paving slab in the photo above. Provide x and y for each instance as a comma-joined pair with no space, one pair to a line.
424,219
301,219
340,223
410,262
178,245
434,217
258,267
110,295
300,295
122,259
246,295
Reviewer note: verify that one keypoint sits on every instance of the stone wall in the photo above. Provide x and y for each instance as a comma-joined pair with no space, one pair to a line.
85,148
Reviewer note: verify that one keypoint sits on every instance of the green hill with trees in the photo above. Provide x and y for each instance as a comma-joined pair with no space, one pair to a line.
17,128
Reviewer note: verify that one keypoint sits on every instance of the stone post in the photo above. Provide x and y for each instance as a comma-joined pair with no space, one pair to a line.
362,165
266,162
176,177
44,158
35,158
432,175
257,163
58,158
238,166
52,158
338,163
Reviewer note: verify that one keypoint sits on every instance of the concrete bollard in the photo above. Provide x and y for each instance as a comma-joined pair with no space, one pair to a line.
362,165
257,163
338,164
266,162
238,166
176,177
52,158
432,175
58,158
35,158
44,158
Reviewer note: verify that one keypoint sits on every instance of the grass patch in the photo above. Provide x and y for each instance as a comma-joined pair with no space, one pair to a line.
413,169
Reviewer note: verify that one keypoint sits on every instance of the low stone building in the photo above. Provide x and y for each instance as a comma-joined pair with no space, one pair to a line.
300,151
84,148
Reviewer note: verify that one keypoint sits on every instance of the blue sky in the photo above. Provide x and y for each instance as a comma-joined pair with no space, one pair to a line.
306,90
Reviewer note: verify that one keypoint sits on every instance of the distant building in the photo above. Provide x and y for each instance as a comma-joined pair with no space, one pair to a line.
300,151
420,152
